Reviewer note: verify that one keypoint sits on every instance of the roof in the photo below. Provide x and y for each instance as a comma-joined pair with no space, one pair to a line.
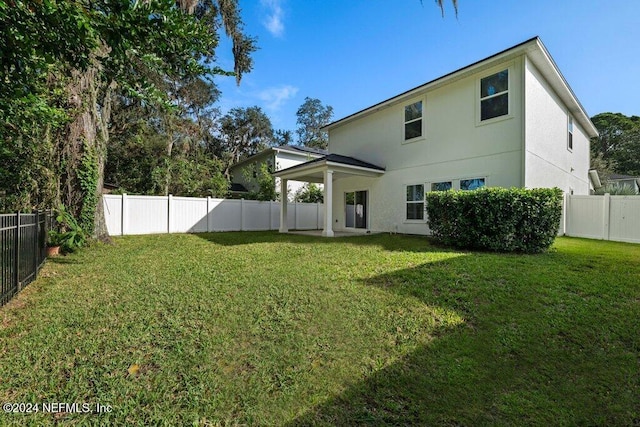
615,176
302,149
295,149
536,52
335,159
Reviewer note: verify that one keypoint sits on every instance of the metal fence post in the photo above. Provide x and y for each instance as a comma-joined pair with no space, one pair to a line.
17,257
36,244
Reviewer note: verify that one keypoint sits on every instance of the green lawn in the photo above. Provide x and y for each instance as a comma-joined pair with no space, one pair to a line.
270,329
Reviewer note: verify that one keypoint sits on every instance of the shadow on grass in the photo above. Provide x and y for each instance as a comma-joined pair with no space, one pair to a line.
526,353
396,242
62,259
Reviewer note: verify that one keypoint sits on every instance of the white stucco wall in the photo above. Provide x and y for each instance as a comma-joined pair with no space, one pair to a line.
454,146
548,161
286,160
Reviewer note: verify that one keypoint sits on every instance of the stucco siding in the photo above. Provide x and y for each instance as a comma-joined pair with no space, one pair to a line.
454,146
548,160
387,194
451,130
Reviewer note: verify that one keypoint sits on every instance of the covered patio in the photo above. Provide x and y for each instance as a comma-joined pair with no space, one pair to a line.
323,170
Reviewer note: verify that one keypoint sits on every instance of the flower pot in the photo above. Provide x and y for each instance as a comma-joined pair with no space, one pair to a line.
53,251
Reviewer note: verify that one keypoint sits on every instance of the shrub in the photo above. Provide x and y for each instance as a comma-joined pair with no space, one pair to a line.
72,237
617,190
497,219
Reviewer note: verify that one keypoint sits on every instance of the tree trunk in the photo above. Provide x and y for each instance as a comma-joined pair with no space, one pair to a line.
84,149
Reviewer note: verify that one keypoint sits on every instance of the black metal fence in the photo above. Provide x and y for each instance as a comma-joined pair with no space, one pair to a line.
23,246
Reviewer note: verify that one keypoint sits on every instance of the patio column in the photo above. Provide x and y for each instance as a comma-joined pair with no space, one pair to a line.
284,202
328,203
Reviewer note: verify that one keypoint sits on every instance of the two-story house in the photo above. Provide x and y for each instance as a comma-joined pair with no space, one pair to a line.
509,120
244,174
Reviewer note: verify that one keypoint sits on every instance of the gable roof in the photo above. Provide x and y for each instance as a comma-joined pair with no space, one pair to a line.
535,51
294,149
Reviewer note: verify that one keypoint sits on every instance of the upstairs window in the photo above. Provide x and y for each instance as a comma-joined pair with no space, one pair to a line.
570,132
494,95
413,120
415,201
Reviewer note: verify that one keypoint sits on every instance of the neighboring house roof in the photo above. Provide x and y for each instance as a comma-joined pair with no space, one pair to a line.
294,149
536,52
615,177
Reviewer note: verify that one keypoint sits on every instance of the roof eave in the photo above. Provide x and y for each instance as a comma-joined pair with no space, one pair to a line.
454,75
525,47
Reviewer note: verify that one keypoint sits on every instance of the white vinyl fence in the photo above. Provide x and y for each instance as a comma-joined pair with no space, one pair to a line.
167,214
594,217
603,217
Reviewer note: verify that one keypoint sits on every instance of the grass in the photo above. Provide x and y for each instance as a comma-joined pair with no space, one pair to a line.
270,329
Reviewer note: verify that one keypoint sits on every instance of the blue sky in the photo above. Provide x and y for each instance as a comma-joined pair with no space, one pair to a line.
353,54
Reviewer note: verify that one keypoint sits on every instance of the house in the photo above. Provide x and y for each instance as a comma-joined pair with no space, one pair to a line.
509,120
244,174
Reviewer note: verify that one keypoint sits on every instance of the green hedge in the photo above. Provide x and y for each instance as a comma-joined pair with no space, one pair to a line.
497,219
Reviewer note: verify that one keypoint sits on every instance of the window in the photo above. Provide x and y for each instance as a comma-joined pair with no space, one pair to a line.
413,120
570,129
472,184
441,186
415,202
494,95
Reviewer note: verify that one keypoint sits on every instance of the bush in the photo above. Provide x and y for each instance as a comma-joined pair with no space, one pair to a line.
310,193
71,237
497,219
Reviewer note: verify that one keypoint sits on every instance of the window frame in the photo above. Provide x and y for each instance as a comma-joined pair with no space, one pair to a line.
570,132
405,122
414,202
450,181
509,92
483,177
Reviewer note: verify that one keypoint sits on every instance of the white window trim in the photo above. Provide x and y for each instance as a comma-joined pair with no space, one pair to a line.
479,99
422,136
405,201
571,125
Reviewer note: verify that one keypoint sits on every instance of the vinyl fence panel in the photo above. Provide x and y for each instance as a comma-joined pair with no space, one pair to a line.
188,215
146,215
113,214
624,217
604,217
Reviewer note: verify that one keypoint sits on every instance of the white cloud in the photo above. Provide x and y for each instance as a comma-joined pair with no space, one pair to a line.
275,15
274,97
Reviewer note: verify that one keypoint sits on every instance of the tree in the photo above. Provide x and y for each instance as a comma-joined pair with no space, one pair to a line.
618,143
312,116
282,137
309,193
440,4
243,133
266,184
95,51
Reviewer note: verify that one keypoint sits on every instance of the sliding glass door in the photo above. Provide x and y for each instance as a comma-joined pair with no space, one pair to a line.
355,203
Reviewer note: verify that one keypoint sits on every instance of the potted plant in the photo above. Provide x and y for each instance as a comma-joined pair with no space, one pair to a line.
55,239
